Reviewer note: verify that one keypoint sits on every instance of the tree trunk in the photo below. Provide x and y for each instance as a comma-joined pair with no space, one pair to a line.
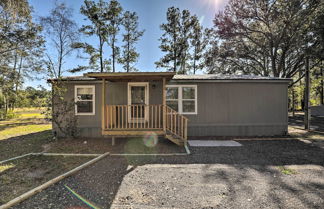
194,60
59,74
322,87
100,54
174,50
17,83
113,52
307,89
293,101
302,98
127,61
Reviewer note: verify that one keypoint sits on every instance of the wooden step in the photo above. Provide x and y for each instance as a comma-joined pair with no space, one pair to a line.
175,139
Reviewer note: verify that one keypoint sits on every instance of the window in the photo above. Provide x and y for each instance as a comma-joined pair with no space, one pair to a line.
182,98
84,100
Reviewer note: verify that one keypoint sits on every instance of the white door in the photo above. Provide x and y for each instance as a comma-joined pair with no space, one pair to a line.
138,101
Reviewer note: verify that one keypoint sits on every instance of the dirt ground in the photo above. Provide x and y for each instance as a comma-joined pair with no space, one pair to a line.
263,173
21,175
284,172
138,145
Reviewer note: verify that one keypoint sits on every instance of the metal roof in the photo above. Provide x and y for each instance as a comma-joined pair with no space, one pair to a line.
224,77
193,78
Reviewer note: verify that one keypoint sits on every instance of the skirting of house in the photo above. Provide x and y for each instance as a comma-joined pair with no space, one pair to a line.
212,130
237,130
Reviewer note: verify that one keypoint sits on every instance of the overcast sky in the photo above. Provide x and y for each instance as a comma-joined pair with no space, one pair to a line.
151,14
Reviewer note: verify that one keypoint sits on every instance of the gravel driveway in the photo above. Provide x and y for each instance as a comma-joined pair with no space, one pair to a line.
260,174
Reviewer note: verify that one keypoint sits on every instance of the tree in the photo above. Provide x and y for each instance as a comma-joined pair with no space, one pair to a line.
96,14
12,10
186,27
21,46
130,37
170,41
201,39
267,37
62,32
113,18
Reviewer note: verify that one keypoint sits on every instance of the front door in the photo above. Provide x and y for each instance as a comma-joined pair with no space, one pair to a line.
138,102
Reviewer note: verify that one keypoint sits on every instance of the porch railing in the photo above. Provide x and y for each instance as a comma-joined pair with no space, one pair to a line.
176,123
145,117
134,117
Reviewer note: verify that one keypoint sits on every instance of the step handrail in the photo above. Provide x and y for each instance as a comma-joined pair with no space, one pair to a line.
176,123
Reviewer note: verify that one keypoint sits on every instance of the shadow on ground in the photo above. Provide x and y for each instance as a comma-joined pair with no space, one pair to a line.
19,145
250,176
316,122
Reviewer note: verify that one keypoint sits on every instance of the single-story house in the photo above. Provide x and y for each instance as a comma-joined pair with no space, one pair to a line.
178,106
317,110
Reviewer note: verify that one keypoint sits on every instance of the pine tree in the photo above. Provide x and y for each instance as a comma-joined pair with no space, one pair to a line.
130,37
170,41
113,20
186,27
95,13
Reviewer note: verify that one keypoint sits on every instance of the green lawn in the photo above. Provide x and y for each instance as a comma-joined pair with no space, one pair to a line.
26,133
28,121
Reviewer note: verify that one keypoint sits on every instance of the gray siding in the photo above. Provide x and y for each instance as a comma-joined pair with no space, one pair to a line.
240,109
90,125
224,108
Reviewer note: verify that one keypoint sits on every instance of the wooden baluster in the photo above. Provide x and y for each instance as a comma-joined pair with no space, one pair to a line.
182,127
122,116
126,116
159,107
155,113
110,115
136,116
106,117
117,117
175,122
171,113
152,116
168,118
132,116
179,130
186,130
141,114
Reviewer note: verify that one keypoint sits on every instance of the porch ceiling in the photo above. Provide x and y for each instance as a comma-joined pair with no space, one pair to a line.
132,76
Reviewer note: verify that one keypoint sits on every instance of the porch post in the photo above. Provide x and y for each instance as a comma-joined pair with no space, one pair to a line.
103,101
164,104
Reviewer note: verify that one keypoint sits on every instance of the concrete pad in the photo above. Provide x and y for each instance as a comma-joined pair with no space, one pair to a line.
213,143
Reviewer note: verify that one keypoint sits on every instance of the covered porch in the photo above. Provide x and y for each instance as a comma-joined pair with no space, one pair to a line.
134,104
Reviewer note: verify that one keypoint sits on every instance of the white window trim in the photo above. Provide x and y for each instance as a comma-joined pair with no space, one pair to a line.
93,99
129,102
180,99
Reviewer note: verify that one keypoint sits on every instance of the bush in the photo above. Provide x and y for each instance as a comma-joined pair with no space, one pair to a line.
11,115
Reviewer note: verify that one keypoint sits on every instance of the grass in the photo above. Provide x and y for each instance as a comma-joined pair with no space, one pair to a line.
6,167
286,171
22,175
28,121
28,132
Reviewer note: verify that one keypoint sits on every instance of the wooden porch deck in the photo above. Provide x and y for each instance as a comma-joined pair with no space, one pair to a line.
140,120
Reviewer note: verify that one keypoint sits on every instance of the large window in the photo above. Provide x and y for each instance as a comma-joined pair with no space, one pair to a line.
182,98
84,100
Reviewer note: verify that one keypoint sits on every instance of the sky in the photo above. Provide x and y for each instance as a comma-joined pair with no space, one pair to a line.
152,13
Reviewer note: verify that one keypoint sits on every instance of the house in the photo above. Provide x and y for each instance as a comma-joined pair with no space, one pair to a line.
178,106
317,110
